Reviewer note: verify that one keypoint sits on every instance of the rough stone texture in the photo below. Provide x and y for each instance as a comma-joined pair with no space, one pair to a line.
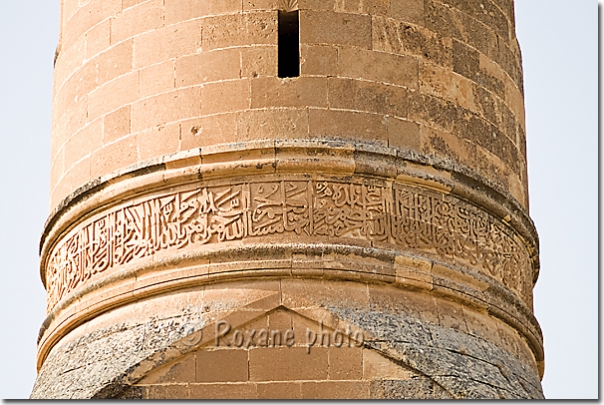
458,62
402,355
379,197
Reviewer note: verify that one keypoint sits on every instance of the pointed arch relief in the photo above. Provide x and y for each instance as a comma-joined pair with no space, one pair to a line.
249,354
346,340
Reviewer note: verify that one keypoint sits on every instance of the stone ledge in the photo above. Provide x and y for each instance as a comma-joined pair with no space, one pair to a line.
324,262
282,157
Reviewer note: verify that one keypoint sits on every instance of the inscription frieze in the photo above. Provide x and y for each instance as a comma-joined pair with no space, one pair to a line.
386,215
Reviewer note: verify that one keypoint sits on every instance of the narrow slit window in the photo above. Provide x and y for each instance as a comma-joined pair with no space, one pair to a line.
289,44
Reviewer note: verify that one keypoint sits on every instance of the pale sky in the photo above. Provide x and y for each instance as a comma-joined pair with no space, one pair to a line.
559,42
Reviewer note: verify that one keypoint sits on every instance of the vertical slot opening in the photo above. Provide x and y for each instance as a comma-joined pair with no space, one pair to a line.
289,44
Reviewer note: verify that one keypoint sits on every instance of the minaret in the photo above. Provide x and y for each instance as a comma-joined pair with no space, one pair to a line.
289,199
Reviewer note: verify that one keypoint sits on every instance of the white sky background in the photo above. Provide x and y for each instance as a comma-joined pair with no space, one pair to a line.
558,39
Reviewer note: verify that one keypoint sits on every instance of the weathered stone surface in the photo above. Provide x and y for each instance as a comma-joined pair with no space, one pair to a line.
376,201
417,387
439,362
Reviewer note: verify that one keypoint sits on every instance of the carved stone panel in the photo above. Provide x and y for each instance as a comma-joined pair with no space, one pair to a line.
382,214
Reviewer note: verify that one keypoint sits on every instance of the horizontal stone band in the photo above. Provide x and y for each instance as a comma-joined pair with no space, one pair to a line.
209,215
383,214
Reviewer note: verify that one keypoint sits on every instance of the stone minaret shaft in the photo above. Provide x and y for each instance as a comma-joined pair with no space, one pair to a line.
289,199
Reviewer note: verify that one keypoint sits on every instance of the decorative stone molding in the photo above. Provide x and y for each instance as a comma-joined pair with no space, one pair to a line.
384,215
288,5
203,217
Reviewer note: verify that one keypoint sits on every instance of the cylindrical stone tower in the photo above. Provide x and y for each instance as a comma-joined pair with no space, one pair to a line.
289,199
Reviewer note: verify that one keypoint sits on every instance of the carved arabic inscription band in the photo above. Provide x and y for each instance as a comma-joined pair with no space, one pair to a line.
388,215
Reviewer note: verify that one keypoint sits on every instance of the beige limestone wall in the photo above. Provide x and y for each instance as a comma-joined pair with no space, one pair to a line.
141,79
383,190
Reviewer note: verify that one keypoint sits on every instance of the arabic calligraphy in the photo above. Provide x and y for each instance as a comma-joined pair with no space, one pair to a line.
391,215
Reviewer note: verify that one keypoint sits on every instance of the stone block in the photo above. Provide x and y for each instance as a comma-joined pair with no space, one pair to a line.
325,5
68,9
133,21
488,136
98,39
222,391
280,320
300,92
87,16
166,108
222,365
335,389
348,94
318,60
168,391
492,76
206,67
436,113
315,293
393,300
378,367
489,106
83,81
259,61
345,363
261,28
233,95
77,176
272,124
116,124
73,117
409,11
371,7
69,118
210,130
232,30
331,28
288,390
157,79
519,191
114,95
394,69
241,293
509,62
288,363
403,134
179,371
114,156
444,145
453,23
393,36
83,143
417,388
165,43
481,325
488,13
515,101
466,60
223,31
158,141
177,11
445,84
349,125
